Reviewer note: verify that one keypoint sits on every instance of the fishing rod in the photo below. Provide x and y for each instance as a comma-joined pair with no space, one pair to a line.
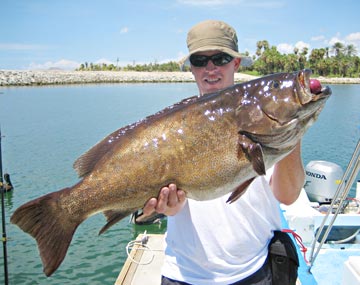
4,239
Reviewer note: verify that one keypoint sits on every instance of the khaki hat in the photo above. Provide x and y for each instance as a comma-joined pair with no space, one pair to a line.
214,35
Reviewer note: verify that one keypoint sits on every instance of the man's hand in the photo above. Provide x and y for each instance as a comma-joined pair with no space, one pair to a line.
170,202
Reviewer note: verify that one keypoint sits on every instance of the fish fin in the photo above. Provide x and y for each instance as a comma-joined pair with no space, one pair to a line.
239,191
114,216
253,152
86,162
53,230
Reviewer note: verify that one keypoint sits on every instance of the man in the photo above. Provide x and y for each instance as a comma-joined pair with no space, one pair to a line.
212,242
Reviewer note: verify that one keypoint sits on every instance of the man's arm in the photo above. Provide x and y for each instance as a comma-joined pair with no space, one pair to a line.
288,177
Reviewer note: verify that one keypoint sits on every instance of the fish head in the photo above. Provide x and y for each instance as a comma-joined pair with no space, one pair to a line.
276,110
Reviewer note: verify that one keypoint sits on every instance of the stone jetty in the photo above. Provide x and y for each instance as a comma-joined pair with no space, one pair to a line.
57,77
36,78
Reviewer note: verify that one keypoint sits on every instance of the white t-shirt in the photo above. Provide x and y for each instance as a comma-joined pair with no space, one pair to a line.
213,242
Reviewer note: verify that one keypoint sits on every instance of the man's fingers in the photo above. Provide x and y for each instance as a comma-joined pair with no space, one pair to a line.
173,196
149,207
163,199
169,202
181,196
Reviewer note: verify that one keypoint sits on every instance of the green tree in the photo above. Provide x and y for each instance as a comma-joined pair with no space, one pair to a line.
316,61
268,59
261,46
338,48
302,57
350,50
291,63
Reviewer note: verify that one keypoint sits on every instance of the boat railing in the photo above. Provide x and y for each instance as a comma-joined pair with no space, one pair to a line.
339,199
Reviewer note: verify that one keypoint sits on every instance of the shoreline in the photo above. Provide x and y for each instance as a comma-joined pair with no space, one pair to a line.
10,78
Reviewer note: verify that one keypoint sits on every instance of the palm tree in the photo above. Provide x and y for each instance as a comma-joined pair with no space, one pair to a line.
338,49
291,63
350,50
261,45
316,60
327,52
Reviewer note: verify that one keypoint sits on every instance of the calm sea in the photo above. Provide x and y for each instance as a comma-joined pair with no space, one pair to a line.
44,129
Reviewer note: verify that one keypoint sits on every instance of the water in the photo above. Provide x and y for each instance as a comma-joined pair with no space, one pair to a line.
46,128
335,135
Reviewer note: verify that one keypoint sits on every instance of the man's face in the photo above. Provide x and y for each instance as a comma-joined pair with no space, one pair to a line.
211,78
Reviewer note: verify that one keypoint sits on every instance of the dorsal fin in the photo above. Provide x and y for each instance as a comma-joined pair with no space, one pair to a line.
86,162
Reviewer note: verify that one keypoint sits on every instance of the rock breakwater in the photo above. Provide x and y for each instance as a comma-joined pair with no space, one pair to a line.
57,77
28,78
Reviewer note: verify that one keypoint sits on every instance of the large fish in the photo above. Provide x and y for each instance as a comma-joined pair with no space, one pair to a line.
209,146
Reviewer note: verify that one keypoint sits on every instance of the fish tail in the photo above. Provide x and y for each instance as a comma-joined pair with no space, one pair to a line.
52,228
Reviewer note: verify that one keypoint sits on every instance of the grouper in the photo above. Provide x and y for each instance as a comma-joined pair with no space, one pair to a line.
207,145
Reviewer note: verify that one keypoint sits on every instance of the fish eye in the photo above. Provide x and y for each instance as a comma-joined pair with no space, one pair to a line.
275,84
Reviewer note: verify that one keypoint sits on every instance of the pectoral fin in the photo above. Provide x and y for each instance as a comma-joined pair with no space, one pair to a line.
239,191
253,153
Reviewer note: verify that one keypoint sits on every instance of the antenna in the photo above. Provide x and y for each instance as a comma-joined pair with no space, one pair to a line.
4,239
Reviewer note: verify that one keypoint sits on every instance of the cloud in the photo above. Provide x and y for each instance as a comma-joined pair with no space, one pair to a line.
334,40
301,45
354,39
289,48
104,61
124,30
285,48
61,64
350,39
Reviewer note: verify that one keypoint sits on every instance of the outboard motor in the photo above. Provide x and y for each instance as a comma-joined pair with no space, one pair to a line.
322,180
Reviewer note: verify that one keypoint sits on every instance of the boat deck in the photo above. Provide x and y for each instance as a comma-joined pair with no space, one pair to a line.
143,265
332,267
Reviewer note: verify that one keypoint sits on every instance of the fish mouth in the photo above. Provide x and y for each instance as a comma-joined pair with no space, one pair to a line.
304,91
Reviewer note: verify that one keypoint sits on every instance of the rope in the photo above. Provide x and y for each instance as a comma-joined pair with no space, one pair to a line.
141,245
299,241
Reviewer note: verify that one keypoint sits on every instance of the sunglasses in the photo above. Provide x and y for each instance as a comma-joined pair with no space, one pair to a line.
218,59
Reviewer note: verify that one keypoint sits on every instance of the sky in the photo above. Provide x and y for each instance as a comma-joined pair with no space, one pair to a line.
43,34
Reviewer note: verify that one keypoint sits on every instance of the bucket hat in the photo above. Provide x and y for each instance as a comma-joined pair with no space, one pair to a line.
213,35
